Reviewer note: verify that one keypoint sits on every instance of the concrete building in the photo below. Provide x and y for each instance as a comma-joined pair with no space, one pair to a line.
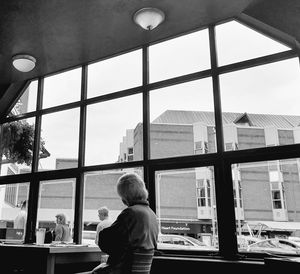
262,191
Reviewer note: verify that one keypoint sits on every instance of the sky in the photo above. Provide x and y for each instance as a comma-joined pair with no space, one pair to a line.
272,89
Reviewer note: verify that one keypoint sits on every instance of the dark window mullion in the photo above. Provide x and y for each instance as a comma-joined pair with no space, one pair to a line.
38,126
34,183
146,128
223,180
216,91
79,190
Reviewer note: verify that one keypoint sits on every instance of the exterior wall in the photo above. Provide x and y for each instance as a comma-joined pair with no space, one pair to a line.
212,148
256,192
250,137
138,143
100,190
292,190
286,137
171,140
57,194
173,190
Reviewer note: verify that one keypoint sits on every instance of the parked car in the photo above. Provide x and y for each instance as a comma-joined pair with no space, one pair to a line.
275,245
173,241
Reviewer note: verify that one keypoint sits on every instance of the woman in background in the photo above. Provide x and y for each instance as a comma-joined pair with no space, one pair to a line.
62,230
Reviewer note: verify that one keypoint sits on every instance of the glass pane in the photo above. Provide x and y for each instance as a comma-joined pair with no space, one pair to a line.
62,88
16,141
57,198
27,101
260,105
111,129
180,215
182,120
233,40
100,191
179,56
266,214
126,68
60,133
13,210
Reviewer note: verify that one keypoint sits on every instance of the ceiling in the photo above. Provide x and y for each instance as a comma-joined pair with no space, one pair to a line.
64,34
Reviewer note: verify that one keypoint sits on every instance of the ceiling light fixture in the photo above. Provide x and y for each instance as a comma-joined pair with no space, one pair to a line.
23,62
149,18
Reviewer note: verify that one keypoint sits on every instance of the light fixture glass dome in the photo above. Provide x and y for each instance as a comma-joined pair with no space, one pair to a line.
23,62
149,18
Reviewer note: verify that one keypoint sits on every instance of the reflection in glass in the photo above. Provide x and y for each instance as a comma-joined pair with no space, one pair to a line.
259,106
13,211
126,68
182,120
62,88
269,209
100,191
179,56
16,143
185,205
27,101
60,131
56,197
233,40
111,128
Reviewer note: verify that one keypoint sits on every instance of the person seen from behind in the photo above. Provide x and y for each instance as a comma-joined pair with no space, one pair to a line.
21,218
135,229
103,214
62,230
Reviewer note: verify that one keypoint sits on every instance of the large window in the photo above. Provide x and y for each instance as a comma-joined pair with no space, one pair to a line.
211,124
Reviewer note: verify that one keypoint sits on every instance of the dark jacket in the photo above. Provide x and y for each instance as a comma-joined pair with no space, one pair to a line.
135,228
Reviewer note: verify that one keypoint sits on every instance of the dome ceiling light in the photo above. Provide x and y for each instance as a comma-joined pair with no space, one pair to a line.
23,62
149,18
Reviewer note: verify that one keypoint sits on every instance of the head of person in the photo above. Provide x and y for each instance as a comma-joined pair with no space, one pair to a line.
103,213
131,189
61,218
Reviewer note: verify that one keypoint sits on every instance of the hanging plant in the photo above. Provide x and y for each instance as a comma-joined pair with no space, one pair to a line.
17,142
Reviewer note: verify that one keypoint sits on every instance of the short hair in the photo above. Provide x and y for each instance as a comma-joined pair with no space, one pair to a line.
131,188
62,218
103,210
